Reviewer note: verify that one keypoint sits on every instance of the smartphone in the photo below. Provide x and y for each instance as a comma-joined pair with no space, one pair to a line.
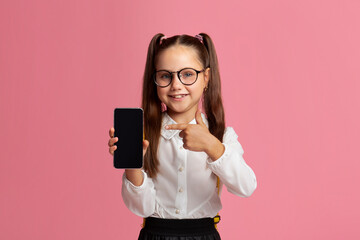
128,125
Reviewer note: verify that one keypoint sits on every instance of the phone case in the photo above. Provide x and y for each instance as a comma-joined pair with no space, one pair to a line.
128,124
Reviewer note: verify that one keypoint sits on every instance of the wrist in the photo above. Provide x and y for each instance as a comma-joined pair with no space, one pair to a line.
135,176
215,149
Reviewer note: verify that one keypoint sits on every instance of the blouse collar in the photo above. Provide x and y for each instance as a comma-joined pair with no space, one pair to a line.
167,120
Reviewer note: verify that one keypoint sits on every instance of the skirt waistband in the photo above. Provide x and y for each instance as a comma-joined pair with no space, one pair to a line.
185,226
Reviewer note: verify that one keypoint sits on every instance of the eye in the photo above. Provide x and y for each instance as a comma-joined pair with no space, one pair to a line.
187,73
164,75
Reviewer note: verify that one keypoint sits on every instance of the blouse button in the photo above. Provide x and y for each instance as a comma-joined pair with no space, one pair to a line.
181,190
181,169
177,211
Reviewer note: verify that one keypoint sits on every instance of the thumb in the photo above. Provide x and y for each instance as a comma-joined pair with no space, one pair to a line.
198,118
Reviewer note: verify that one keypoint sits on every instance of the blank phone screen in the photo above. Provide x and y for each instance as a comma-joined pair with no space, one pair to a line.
128,125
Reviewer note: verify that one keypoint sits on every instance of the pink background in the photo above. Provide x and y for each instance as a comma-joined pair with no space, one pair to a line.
290,73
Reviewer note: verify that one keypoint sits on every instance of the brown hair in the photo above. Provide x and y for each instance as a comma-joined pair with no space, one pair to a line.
212,101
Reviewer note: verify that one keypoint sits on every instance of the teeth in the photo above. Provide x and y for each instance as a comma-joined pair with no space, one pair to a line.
178,96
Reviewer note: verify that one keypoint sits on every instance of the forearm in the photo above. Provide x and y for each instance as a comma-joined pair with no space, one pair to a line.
135,176
139,199
231,167
233,171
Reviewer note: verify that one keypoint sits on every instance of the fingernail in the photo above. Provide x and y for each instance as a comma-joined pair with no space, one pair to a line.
166,127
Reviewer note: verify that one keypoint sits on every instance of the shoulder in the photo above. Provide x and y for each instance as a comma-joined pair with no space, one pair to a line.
229,135
230,138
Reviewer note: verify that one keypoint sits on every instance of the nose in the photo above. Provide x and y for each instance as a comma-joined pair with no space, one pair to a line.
175,83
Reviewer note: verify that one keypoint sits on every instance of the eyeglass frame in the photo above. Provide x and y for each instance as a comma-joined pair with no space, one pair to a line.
178,74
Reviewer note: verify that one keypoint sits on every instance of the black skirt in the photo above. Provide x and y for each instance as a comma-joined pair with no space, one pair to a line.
179,229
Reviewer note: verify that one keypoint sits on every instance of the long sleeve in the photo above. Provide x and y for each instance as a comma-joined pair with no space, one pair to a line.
231,167
139,199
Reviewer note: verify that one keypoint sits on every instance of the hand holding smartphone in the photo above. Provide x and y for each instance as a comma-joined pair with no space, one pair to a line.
128,125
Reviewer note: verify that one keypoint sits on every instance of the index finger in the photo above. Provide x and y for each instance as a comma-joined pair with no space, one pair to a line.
111,132
180,126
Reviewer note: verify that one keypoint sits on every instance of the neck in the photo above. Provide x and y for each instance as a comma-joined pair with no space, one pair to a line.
182,117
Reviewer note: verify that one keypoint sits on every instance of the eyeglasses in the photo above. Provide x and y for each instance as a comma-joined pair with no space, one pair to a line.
187,76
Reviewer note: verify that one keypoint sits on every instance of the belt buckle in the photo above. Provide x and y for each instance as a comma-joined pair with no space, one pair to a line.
217,219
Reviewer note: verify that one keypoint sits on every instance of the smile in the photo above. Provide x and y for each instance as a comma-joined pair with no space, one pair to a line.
178,96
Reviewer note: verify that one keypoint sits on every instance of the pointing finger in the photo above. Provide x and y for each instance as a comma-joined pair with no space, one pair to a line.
180,126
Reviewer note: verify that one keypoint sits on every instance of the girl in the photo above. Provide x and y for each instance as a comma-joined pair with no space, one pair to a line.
186,151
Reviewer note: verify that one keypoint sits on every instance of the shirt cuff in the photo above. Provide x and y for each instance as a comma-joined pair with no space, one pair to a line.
218,162
134,187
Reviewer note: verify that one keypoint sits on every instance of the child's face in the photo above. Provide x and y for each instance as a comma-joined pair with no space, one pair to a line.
173,59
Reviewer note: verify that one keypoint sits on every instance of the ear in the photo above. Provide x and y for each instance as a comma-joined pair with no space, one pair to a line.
207,76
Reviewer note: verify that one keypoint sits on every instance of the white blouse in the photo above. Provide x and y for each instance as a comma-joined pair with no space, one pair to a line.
185,186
